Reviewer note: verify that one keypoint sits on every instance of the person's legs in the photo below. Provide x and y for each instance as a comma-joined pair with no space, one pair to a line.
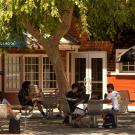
66,120
79,113
40,108
38,104
104,113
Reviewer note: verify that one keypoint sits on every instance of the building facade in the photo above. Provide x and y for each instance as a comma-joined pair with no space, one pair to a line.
90,63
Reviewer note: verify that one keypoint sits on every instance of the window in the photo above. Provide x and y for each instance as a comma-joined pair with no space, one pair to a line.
124,67
12,72
80,70
128,67
49,78
32,69
35,68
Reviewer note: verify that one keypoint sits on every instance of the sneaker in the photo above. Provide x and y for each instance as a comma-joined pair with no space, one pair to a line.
18,116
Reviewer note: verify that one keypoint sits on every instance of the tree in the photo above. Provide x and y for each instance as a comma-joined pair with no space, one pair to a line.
47,20
108,19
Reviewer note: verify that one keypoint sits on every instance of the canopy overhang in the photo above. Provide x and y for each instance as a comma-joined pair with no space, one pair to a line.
127,56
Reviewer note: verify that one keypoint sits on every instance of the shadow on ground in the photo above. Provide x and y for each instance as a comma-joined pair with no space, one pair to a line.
39,126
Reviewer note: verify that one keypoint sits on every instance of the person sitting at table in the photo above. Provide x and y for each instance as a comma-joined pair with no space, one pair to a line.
111,97
73,101
3,100
26,100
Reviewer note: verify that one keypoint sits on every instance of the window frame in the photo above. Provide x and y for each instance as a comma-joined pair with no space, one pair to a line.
12,90
52,72
118,69
22,71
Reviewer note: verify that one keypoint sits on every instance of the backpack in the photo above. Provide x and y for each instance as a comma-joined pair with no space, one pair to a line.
14,126
109,121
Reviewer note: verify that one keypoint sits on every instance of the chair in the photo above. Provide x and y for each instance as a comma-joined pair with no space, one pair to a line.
64,107
50,103
125,96
94,108
123,105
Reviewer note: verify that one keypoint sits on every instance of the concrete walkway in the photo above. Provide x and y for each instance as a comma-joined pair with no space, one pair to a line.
38,126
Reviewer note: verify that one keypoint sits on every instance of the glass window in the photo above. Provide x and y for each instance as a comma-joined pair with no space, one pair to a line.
96,67
49,77
124,67
128,67
12,72
80,70
32,69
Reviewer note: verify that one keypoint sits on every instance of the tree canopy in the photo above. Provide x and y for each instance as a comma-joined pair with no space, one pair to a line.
46,20
107,19
46,15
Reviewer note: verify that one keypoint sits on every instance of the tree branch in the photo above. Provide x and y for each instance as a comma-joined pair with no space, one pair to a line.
57,35
65,25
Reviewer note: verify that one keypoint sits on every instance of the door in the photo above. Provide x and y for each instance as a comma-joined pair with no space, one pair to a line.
89,69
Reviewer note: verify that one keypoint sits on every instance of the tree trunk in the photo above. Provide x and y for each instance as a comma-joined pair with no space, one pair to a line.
53,53
51,46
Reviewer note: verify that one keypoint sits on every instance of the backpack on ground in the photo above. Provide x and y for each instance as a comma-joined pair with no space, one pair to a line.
14,126
109,121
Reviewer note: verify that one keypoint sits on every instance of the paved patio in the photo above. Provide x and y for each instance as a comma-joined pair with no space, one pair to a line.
38,126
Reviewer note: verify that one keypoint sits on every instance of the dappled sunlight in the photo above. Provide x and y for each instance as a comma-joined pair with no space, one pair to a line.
53,126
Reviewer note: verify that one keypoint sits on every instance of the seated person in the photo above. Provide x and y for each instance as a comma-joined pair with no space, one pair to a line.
9,107
112,97
26,100
73,101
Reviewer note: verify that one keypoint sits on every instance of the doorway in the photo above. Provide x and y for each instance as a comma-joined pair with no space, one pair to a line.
89,69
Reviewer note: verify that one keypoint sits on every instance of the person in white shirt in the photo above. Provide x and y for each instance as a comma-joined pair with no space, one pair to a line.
112,97
3,100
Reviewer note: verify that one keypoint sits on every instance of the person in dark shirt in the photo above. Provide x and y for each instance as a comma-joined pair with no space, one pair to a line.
26,100
73,100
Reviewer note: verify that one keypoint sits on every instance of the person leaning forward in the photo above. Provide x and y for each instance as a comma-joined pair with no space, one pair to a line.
73,101
26,100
